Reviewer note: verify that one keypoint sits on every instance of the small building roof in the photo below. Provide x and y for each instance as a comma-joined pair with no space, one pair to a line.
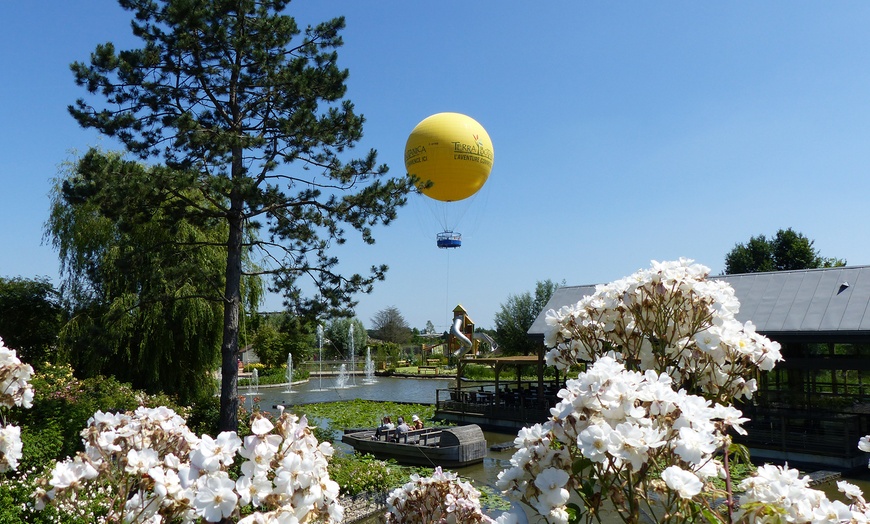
830,304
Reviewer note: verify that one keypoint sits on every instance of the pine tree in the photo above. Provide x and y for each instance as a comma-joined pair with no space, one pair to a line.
236,93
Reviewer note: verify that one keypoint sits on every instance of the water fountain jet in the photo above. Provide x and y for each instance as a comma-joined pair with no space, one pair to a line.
341,381
350,346
288,373
370,368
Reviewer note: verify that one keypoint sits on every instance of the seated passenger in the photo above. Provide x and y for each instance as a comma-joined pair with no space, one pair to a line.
402,429
416,422
386,425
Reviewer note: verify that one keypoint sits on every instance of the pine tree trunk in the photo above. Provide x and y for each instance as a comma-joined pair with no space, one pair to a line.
229,409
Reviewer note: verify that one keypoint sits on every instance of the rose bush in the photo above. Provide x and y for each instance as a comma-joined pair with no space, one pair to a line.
156,470
441,498
15,391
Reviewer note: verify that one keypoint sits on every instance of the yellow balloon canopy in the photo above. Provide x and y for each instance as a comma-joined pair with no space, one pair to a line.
453,152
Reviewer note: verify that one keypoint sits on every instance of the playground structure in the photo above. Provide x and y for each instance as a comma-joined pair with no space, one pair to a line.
460,341
499,404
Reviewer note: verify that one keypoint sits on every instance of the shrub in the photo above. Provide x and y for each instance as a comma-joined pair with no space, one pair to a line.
358,474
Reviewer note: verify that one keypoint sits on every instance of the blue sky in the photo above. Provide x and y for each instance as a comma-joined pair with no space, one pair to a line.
623,132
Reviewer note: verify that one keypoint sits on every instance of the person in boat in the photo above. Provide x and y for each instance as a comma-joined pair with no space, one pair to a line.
386,425
416,422
402,429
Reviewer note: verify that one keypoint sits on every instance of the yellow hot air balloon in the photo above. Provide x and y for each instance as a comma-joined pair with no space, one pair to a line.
451,155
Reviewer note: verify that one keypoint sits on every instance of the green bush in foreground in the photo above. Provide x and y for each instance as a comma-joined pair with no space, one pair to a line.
358,474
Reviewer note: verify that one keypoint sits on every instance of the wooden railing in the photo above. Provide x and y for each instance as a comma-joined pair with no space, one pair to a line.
802,431
524,405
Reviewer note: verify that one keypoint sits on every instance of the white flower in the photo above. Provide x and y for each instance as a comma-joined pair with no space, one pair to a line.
261,425
552,483
831,511
166,481
852,491
507,518
731,416
254,489
631,443
215,498
593,442
70,473
139,462
685,483
212,453
10,447
693,446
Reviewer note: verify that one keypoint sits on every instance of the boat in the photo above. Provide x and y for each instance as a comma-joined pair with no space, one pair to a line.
448,447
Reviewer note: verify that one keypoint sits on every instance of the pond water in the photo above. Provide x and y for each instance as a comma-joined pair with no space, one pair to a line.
422,391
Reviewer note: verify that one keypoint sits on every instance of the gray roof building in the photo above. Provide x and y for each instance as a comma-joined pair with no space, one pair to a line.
831,304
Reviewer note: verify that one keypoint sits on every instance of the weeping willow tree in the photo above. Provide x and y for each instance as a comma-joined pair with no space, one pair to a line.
142,278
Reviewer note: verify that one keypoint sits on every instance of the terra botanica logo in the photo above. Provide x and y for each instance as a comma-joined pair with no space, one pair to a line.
415,155
474,152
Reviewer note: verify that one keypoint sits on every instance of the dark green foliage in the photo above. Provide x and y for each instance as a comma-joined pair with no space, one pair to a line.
236,94
787,250
359,474
386,352
389,325
204,414
143,285
516,316
62,405
30,318
51,431
337,335
271,346
278,335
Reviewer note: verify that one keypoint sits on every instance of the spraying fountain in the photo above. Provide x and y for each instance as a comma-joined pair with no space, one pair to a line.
341,381
352,353
288,373
370,367
320,347
254,388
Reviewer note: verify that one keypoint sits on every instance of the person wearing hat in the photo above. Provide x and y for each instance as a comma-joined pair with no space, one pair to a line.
416,422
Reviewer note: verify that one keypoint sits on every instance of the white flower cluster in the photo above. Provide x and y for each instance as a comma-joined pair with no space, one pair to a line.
668,318
441,498
641,427
780,494
160,471
621,423
15,390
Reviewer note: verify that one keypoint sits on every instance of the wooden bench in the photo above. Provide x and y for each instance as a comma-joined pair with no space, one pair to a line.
433,361
426,369
425,436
